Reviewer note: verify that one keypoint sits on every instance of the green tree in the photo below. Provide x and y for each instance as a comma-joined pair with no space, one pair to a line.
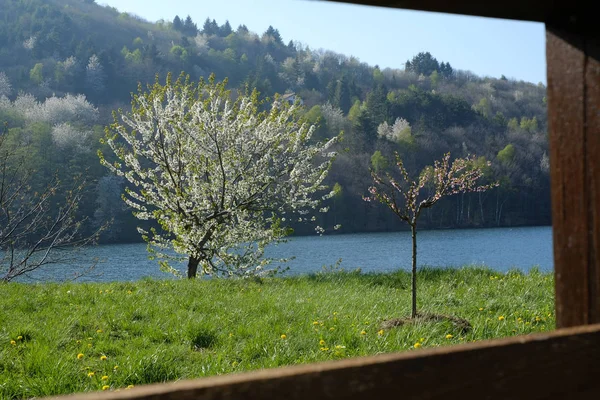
36,73
513,124
378,162
189,27
423,63
225,30
507,154
341,96
434,78
177,24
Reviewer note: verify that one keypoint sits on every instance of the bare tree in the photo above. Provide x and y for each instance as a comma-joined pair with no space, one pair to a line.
34,225
404,197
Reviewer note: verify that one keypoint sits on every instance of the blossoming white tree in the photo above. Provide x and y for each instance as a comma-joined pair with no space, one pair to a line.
219,176
404,197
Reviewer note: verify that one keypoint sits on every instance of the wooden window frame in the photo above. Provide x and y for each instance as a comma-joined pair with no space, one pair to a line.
561,364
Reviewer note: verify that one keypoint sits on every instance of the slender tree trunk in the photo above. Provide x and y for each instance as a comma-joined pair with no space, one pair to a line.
481,209
192,267
413,231
469,210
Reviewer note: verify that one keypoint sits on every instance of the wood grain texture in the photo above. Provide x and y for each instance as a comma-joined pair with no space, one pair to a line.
566,126
574,132
592,129
558,365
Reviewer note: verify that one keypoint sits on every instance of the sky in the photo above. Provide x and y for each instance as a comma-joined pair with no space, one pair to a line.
378,36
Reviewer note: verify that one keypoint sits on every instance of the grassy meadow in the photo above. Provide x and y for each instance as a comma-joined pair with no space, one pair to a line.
75,337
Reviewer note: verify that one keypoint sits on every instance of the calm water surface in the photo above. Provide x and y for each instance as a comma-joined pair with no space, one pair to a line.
500,249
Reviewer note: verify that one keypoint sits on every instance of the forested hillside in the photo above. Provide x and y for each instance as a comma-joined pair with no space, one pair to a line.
66,64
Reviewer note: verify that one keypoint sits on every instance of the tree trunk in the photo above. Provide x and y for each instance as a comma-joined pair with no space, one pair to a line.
192,267
481,209
413,230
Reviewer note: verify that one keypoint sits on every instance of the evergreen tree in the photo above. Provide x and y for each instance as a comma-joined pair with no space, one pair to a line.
341,97
177,24
189,27
274,33
423,63
225,30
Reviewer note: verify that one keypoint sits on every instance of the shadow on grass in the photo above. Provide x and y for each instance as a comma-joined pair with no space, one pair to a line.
461,324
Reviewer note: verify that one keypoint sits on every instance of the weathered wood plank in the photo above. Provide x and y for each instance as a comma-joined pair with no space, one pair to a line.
566,112
592,128
561,364
574,132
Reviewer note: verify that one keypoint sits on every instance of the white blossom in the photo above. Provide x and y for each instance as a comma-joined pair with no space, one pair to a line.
399,132
334,117
55,110
64,135
217,175
29,44
5,85
201,41
94,74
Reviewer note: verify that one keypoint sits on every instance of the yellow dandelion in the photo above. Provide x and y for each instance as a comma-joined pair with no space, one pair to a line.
538,319
230,334
129,386
480,308
90,338
284,336
91,373
116,367
19,337
322,342
363,332
79,356
105,387
335,313
449,336
99,331
234,364
101,292
519,319
316,323
129,292
78,342
104,378
13,342
103,358
501,318
417,345
324,348
422,339
339,346
332,329
380,332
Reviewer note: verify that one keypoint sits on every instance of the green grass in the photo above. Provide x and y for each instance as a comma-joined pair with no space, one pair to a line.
154,331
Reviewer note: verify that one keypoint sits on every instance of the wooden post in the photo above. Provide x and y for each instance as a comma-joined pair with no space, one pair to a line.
574,132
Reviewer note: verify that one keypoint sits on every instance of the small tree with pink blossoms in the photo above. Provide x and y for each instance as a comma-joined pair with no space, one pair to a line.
405,198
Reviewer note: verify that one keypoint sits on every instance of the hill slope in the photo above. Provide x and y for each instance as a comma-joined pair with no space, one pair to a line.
54,48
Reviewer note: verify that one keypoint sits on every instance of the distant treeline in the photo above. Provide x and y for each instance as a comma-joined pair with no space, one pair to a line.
65,64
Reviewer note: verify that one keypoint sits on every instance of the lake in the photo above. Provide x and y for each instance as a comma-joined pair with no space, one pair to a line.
500,249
